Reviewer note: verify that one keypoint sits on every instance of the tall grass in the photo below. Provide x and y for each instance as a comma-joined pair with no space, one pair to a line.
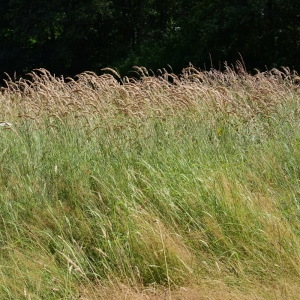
162,180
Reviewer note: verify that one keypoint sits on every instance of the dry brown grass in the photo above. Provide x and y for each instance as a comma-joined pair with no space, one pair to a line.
233,92
205,290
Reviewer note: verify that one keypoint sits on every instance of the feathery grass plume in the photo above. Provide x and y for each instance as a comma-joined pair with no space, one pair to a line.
114,72
237,92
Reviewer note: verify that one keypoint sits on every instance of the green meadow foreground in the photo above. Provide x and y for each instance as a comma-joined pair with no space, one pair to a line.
149,189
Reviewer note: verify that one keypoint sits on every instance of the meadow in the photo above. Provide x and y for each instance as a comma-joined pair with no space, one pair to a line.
152,187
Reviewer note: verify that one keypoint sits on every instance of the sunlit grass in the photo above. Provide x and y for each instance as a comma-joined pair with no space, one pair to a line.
175,194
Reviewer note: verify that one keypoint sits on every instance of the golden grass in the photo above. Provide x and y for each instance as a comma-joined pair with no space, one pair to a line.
232,92
204,290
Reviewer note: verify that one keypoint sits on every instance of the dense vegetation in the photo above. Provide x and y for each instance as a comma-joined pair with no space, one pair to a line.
109,190
174,185
69,37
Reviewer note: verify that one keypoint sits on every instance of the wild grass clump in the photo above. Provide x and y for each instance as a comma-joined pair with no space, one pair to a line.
151,181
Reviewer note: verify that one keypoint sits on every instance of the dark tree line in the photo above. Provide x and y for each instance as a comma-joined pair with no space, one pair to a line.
68,37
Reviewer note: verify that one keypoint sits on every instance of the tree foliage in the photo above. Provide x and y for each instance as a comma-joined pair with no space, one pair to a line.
72,36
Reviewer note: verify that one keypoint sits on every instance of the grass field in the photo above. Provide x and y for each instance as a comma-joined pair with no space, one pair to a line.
162,187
